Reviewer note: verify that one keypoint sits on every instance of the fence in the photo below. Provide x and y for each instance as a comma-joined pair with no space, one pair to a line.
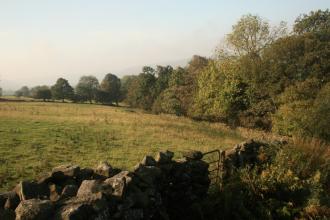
215,160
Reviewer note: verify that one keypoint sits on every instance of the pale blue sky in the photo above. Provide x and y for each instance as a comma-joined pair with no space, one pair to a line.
41,40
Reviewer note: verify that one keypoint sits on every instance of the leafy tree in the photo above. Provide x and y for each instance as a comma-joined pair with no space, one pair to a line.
62,90
177,78
315,21
126,83
168,102
24,91
221,94
251,34
18,93
304,113
110,89
163,74
319,119
41,92
87,88
102,97
142,90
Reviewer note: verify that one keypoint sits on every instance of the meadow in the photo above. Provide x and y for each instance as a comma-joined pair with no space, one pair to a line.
36,136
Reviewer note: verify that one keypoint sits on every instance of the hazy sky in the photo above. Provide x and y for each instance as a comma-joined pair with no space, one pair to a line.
41,40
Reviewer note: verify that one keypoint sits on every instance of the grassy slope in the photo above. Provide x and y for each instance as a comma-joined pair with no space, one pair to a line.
34,137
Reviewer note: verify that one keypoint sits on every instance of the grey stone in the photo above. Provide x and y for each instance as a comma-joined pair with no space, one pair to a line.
85,174
119,183
69,191
104,169
34,209
30,190
78,211
54,192
193,155
148,161
91,206
89,187
64,171
164,157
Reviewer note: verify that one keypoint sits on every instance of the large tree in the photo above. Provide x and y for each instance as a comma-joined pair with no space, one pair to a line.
142,91
62,90
110,88
24,91
163,74
87,88
315,21
41,92
250,35
126,83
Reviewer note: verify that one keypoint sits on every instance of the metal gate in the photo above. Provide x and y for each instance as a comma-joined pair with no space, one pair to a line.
214,159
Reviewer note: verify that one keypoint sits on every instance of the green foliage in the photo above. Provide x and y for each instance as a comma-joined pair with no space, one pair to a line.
87,88
320,116
163,74
110,89
62,90
291,184
303,114
251,34
168,102
24,91
221,93
142,91
126,83
41,92
315,21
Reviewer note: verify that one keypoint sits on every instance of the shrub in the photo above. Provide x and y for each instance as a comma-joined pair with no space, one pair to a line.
292,184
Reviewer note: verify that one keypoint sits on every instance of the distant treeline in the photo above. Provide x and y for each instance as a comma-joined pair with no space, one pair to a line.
261,77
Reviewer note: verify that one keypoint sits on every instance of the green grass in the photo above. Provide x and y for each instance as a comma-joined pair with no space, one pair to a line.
36,136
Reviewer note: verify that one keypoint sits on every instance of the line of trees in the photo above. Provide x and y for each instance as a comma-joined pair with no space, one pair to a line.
87,89
261,77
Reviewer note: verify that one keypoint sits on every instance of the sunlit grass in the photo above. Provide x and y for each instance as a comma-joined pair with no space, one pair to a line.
36,136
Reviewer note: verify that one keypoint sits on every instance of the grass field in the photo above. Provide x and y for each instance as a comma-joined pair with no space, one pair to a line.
36,136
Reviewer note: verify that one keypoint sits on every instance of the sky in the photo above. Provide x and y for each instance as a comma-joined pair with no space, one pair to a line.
42,40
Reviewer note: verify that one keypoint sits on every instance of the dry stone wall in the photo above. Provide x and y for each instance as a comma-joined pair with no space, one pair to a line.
157,188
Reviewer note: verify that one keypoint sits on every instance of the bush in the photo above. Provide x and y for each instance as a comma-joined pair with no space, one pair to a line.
309,117
167,102
292,184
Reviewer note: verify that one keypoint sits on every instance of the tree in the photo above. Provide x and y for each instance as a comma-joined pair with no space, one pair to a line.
126,85
0,91
62,90
87,88
168,102
24,91
41,92
251,35
305,110
221,95
110,89
315,21
142,90
163,74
